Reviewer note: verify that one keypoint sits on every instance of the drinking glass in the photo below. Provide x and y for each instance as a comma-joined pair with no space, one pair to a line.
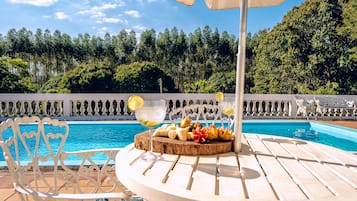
150,115
228,107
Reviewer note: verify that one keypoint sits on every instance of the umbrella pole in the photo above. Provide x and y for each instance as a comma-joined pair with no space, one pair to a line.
239,96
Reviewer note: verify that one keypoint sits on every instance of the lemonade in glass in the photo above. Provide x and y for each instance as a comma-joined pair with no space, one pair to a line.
228,107
151,114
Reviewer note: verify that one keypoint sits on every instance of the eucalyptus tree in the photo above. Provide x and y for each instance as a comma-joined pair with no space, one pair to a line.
164,51
225,53
48,56
109,44
97,45
58,54
171,51
124,47
12,42
3,46
146,49
39,46
68,52
179,51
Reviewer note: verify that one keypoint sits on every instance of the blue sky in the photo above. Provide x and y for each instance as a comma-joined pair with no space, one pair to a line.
96,17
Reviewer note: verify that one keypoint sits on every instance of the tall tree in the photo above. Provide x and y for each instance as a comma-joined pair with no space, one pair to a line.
146,49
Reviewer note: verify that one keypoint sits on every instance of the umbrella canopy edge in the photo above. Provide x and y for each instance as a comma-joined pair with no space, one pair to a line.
229,4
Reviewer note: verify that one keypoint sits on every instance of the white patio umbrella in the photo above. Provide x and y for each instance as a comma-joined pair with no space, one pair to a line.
243,5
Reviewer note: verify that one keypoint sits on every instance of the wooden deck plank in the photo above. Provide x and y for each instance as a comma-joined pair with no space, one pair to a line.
297,152
134,155
284,186
253,176
337,185
257,146
229,175
205,174
317,154
339,155
161,168
311,186
348,174
273,145
180,176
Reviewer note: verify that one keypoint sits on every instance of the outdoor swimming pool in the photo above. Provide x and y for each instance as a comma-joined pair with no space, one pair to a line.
94,135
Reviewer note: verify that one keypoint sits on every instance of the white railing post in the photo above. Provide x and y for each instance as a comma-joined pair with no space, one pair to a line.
67,105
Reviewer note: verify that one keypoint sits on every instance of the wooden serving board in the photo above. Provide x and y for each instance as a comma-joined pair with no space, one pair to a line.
173,146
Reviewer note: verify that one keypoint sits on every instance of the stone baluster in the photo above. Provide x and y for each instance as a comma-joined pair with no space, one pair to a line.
45,109
61,108
52,108
286,108
7,108
22,108
87,106
110,107
37,107
260,108
126,110
247,108
14,109
271,108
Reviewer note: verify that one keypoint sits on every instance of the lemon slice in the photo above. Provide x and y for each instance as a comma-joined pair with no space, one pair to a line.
219,96
228,111
135,102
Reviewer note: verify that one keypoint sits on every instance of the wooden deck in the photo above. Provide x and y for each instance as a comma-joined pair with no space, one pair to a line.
267,168
280,163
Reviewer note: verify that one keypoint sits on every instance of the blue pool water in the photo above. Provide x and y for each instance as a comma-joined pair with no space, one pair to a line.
94,135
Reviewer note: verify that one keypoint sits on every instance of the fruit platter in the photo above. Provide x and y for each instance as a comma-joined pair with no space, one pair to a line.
187,138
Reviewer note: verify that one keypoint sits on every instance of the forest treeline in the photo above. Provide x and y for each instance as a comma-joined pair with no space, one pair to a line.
312,50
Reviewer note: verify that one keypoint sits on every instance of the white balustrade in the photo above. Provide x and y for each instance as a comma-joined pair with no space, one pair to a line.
114,105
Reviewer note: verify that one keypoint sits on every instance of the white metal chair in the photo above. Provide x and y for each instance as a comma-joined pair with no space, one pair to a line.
305,107
39,168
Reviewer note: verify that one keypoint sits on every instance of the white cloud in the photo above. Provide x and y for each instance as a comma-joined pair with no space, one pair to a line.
139,27
133,13
35,2
97,11
61,16
110,20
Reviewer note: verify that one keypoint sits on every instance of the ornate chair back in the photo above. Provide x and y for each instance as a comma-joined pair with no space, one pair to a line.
32,149
30,152
205,113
